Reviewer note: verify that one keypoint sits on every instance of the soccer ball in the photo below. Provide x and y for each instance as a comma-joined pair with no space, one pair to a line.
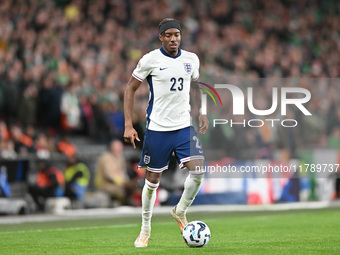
196,234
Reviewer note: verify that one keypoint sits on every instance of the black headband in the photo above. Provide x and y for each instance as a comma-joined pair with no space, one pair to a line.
169,24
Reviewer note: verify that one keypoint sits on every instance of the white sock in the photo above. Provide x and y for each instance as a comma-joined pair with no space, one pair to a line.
192,185
148,202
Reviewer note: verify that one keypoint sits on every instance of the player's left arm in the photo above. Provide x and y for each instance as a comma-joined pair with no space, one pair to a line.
203,120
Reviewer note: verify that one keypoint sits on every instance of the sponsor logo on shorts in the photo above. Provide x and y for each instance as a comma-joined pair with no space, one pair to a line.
146,159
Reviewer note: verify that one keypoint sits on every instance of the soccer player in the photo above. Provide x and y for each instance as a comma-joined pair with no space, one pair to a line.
169,71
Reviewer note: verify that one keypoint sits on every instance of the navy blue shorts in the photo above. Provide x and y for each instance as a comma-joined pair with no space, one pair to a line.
159,145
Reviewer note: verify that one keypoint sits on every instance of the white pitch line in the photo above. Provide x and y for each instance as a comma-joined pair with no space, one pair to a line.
133,211
66,229
39,230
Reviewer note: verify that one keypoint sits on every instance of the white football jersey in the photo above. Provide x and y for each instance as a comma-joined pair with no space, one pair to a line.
169,81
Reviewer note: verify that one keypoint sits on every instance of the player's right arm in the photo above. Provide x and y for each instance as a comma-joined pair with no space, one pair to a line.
130,134
141,71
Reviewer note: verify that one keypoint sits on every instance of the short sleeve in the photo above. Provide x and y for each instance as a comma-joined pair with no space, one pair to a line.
196,74
143,68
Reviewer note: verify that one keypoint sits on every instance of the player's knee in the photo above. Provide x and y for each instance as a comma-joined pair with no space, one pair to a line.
195,165
153,177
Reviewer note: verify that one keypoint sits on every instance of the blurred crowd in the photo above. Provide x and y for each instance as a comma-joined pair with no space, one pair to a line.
113,176
64,63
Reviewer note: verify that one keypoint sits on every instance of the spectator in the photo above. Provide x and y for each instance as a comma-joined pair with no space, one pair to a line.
87,116
49,98
4,132
22,143
91,44
70,109
111,174
115,118
7,149
77,177
334,139
50,182
102,127
5,189
42,146
337,187
12,90
66,147
28,106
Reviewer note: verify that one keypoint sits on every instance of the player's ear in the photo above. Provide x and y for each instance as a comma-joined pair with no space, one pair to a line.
160,37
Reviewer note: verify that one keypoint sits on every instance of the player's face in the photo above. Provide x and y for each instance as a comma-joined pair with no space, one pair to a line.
171,39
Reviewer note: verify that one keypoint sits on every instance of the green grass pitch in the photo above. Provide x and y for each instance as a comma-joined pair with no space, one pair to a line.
285,232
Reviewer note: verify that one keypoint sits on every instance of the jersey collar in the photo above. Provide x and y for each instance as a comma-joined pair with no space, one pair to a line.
166,54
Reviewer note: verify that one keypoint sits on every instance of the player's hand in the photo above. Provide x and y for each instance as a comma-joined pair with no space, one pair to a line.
130,134
204,123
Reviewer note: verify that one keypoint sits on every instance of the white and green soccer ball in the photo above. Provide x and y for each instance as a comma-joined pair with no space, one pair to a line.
196,234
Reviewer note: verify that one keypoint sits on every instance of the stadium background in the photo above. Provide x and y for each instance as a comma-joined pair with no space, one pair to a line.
86,50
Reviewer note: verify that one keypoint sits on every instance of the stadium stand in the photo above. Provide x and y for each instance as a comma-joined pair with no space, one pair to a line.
64,64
